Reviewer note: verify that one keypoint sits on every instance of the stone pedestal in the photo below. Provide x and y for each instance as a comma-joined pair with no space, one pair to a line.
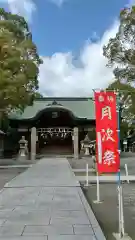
76,141
33,143
87,152
22,156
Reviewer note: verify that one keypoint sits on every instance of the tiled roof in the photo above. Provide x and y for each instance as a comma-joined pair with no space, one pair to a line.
80,107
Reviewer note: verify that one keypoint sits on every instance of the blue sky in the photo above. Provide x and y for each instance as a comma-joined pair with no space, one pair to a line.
70,35
68,27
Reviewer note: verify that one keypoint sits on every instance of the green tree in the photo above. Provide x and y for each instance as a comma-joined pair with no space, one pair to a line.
38,95
126,96
19,63
120,50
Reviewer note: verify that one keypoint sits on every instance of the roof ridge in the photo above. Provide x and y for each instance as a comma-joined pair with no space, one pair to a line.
63,98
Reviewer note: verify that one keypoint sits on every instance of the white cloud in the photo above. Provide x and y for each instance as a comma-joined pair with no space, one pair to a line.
58,3
59,76
25,8
131,2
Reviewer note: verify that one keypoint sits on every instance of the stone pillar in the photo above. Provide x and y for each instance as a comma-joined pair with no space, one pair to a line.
76,143
33,143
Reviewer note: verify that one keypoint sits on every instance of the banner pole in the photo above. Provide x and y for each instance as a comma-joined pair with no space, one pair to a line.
118,116
122,215
87,174
126,171
119,204
121,232
119,180
99,158
98,190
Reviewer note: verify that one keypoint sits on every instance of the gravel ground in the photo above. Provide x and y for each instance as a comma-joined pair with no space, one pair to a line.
107,212
81,163
7,175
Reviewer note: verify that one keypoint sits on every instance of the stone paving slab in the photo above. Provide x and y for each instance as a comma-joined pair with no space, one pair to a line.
62,237
46,203
24,238
53,172
71,237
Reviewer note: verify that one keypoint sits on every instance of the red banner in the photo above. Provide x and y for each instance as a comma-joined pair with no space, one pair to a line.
106,132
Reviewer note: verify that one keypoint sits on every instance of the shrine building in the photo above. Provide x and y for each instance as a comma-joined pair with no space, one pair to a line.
53,125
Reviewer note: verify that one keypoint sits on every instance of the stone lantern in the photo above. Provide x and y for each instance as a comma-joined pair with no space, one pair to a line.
85,144
23,151
125,145
2,134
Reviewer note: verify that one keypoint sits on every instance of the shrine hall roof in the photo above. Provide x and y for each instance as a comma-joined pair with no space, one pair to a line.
80,107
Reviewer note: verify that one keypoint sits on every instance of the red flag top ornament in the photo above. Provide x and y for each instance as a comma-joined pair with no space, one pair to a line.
107,155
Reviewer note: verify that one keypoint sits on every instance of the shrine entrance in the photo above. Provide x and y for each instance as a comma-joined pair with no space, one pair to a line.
54,129
55,140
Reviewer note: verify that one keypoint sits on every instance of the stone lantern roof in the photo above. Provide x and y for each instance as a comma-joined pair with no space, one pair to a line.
86,140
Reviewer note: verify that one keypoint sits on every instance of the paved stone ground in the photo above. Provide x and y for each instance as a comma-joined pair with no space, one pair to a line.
107,212
46,203
7,175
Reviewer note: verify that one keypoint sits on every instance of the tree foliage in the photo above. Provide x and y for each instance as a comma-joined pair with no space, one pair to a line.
120,50
126,95
19,63
38,95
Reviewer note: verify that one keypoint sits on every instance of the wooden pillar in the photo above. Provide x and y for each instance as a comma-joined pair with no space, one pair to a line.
33,143
76,143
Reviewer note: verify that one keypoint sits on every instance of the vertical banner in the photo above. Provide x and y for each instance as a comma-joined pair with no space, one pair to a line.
106,132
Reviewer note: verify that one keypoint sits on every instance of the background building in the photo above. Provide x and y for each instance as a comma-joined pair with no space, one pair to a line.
53,125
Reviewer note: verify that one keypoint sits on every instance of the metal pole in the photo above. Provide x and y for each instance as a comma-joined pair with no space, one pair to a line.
122,214
119,204
120,194
119,181
87,175
98,191
126,170
118,116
